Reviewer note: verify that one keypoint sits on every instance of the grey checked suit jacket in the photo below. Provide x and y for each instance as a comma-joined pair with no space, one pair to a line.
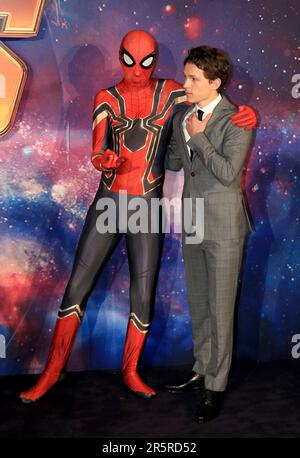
215,172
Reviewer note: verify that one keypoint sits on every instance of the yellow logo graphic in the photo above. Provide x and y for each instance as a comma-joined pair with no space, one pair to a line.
18,19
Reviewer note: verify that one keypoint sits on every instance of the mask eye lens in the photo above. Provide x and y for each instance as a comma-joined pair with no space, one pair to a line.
148,62
127,60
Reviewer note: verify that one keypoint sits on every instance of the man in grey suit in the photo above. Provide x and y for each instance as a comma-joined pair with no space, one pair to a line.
212,151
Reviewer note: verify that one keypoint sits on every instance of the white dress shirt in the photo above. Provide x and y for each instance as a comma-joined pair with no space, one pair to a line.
206,110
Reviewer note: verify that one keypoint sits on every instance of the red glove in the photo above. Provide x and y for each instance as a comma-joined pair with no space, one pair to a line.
110,160
245,117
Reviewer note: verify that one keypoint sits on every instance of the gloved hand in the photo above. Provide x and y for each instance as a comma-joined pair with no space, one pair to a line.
110,160
245,117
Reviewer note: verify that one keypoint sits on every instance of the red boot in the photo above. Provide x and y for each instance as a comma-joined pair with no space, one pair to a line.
64,335
134,344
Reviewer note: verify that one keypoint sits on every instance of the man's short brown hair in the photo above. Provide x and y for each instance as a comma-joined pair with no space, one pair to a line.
214,62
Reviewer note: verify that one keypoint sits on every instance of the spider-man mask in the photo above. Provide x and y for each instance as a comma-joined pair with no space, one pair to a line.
138,56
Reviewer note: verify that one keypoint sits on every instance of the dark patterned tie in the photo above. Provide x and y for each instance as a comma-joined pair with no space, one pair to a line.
200,114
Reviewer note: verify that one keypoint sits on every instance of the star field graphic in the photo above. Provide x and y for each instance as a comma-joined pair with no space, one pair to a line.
47,180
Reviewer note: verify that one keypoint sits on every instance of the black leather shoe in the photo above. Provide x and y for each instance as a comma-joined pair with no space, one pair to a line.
210,406
194,382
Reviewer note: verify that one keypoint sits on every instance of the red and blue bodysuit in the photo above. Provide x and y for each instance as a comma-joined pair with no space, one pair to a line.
131,129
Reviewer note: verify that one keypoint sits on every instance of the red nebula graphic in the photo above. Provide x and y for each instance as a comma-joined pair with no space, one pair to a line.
193,28
169,9
153,29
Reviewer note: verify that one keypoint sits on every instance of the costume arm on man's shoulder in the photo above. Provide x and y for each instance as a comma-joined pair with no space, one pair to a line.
226,166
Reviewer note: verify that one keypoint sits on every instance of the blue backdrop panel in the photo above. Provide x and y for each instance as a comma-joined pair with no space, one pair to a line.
47,181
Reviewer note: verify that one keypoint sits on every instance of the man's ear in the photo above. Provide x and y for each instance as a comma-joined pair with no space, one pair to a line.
216,83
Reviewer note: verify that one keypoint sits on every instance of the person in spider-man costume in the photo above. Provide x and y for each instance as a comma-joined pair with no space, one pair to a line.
131,129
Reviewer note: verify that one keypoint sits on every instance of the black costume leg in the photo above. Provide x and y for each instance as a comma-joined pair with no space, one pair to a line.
144,254
93,251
